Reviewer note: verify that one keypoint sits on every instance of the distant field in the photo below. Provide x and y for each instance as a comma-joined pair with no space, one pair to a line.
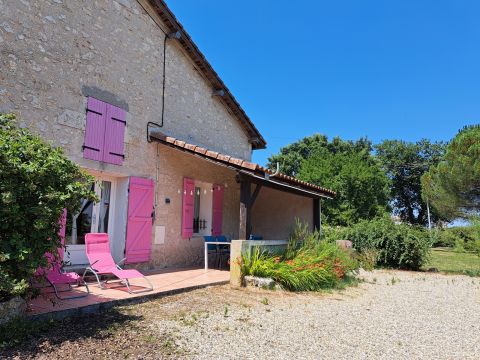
445,259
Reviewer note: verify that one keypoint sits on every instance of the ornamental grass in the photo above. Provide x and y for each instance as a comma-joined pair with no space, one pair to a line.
308,264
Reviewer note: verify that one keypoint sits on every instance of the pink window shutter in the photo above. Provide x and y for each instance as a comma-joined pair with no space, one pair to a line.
188,207
217,210
114,135
139,220
94,130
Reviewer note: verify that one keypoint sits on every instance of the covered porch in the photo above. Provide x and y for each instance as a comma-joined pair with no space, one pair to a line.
262,203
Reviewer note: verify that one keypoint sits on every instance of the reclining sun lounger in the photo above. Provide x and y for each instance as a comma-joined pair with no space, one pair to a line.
55,276
101,263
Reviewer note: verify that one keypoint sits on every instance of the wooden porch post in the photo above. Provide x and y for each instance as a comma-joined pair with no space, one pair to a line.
316,214
245,217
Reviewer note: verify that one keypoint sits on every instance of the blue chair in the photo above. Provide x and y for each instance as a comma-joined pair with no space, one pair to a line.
255,237
223,251
212,249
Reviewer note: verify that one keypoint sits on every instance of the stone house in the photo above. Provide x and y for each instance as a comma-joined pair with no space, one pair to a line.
123,89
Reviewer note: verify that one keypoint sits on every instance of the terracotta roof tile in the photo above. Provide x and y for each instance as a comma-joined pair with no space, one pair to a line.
200,150
212,154
235,161
180,143
243,164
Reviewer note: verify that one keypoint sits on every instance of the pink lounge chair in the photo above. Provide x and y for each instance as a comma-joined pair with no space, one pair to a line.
55,276
101,262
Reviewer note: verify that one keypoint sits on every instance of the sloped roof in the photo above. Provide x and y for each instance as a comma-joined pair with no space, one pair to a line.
169,19
240,164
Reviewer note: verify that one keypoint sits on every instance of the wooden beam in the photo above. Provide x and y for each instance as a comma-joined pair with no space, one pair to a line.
255,194
245,211
316,214
255,179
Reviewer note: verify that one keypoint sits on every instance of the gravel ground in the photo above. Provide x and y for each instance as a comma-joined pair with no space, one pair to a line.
391,315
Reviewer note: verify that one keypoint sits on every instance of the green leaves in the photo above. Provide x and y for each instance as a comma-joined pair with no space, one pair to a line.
453,186
37,182
344,166
405,163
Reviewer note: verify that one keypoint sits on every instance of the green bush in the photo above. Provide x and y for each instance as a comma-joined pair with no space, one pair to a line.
308,264
398,246
37,182
460,238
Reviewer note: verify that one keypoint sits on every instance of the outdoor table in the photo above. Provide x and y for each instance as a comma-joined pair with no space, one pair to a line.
213,243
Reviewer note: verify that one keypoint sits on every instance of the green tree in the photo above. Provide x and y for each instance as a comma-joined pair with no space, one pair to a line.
453,186
362,187
405,163
291,157
37,182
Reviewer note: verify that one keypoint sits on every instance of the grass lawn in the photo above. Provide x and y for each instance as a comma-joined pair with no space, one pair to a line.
446,260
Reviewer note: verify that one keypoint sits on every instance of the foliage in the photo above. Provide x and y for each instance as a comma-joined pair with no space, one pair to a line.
37,182
460,238
344,166
398,246
361,186
446,260
367,259
453,186
308,265
405,163
291,157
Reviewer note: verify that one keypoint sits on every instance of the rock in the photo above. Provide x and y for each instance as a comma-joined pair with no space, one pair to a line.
344,244
12,309
264,283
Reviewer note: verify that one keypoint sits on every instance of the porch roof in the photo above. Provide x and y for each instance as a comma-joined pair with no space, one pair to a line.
256,173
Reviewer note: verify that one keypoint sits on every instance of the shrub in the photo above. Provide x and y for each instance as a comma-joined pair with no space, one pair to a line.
37,182
308,264
399,246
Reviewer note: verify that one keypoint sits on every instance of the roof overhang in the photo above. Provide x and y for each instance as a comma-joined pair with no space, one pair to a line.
246,170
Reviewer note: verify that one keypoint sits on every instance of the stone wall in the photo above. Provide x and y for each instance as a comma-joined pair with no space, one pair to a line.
174,165
55,53
274,213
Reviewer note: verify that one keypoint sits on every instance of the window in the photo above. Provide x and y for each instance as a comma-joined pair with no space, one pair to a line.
202,208
104,132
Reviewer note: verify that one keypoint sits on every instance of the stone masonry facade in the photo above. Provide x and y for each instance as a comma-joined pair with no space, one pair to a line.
56,53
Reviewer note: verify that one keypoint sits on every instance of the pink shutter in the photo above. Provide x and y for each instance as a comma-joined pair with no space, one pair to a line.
217,210
187,208
139,222
94,130
114,135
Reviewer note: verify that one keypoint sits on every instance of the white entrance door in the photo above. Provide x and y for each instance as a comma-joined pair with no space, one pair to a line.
93,217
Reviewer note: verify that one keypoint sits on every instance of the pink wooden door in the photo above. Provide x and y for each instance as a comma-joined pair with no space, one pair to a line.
217,210
188,207
114,135
94,130
139,223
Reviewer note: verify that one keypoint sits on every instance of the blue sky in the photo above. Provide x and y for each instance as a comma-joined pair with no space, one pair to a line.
404,69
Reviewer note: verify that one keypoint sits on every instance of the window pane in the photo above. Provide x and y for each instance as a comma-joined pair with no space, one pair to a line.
104,207
196,210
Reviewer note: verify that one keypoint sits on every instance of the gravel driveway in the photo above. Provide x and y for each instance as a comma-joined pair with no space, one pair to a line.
391,315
